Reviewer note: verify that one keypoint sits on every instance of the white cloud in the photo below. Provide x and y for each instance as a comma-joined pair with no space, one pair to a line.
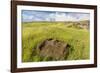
65,17
85,16
25,16
51,17
60,17
71,16
54,16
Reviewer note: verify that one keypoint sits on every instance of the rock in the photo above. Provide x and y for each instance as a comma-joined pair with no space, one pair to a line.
55,49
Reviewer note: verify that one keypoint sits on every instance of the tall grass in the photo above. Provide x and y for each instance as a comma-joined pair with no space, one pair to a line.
34,33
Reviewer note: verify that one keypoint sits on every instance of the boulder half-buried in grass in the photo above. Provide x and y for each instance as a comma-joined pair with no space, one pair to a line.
53,49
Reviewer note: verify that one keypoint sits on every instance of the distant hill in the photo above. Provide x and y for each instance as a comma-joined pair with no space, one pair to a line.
79,24
83,24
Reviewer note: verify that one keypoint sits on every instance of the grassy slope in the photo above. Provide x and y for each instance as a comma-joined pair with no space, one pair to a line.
36,32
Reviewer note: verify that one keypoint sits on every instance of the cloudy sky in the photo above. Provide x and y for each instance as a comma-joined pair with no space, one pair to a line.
32,15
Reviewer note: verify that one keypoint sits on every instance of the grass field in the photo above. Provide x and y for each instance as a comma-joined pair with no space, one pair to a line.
34,33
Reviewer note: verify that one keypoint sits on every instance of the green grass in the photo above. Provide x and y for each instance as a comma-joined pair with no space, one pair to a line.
34,33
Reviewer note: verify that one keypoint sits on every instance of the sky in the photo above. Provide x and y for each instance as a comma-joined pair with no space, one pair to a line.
32,15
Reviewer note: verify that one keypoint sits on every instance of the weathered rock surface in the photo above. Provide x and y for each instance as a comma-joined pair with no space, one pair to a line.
55,49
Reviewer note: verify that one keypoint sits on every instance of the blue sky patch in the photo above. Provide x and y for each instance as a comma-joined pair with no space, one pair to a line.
32,15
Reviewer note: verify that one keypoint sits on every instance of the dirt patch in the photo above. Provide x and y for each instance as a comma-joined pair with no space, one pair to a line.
53,49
